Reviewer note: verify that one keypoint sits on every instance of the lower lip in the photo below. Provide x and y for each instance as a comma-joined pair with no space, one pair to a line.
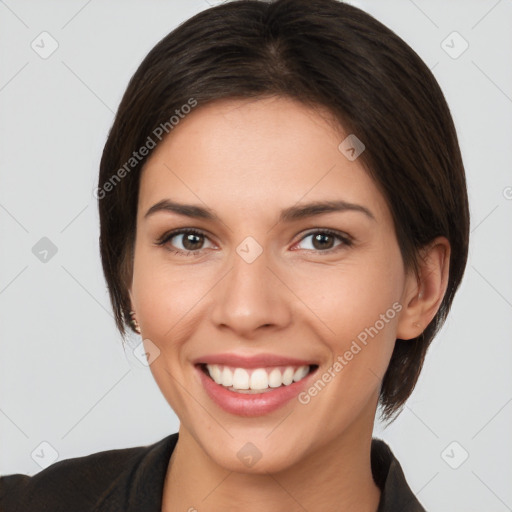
254,404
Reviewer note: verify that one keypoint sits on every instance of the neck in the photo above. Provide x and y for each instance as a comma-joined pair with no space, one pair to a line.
336,477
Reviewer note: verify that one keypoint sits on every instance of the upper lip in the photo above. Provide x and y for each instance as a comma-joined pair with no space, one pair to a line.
255,361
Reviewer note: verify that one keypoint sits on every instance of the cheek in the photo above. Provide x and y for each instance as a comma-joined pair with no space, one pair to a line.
165,295
348,299
358,324
356,309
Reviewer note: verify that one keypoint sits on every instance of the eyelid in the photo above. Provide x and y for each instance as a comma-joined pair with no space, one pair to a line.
345,238
168,235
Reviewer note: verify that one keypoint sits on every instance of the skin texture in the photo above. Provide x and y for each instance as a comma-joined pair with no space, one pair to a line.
247,160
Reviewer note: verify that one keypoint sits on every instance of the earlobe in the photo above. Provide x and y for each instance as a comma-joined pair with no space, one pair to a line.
133,316
134,323
424,293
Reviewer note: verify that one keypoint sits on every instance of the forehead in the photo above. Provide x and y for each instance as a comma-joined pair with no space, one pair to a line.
256,153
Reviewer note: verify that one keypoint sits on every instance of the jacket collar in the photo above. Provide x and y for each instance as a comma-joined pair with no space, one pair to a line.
388,475
140,487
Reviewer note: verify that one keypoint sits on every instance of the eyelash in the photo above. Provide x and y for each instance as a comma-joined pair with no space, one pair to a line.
346,240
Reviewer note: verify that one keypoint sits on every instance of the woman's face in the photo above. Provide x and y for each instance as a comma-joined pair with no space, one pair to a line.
263,286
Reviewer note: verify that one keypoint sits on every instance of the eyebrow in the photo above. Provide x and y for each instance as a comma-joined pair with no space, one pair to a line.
293,213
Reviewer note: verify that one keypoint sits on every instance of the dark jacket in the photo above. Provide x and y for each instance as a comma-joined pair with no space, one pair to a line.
132,480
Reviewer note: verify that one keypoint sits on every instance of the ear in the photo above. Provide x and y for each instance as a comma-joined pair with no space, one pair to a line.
424,293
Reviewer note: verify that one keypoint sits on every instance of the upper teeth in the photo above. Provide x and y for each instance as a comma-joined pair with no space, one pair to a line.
257,378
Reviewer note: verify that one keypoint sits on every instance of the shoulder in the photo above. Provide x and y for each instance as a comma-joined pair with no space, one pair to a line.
78,483
389,476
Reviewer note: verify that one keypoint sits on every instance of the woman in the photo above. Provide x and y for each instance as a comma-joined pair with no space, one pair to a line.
284,221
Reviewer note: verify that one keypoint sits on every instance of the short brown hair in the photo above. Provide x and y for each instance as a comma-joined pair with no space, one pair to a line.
322,53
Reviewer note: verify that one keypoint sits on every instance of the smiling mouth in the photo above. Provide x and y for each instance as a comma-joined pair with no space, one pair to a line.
256,380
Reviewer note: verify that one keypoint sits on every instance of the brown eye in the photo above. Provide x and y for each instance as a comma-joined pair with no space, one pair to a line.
184,240
191,241
325,240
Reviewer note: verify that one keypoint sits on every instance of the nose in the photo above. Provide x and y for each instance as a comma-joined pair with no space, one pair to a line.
251,298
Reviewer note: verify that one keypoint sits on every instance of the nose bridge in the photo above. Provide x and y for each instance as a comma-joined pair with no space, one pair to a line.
250,296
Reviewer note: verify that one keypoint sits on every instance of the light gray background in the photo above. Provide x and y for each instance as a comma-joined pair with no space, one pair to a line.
64,376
